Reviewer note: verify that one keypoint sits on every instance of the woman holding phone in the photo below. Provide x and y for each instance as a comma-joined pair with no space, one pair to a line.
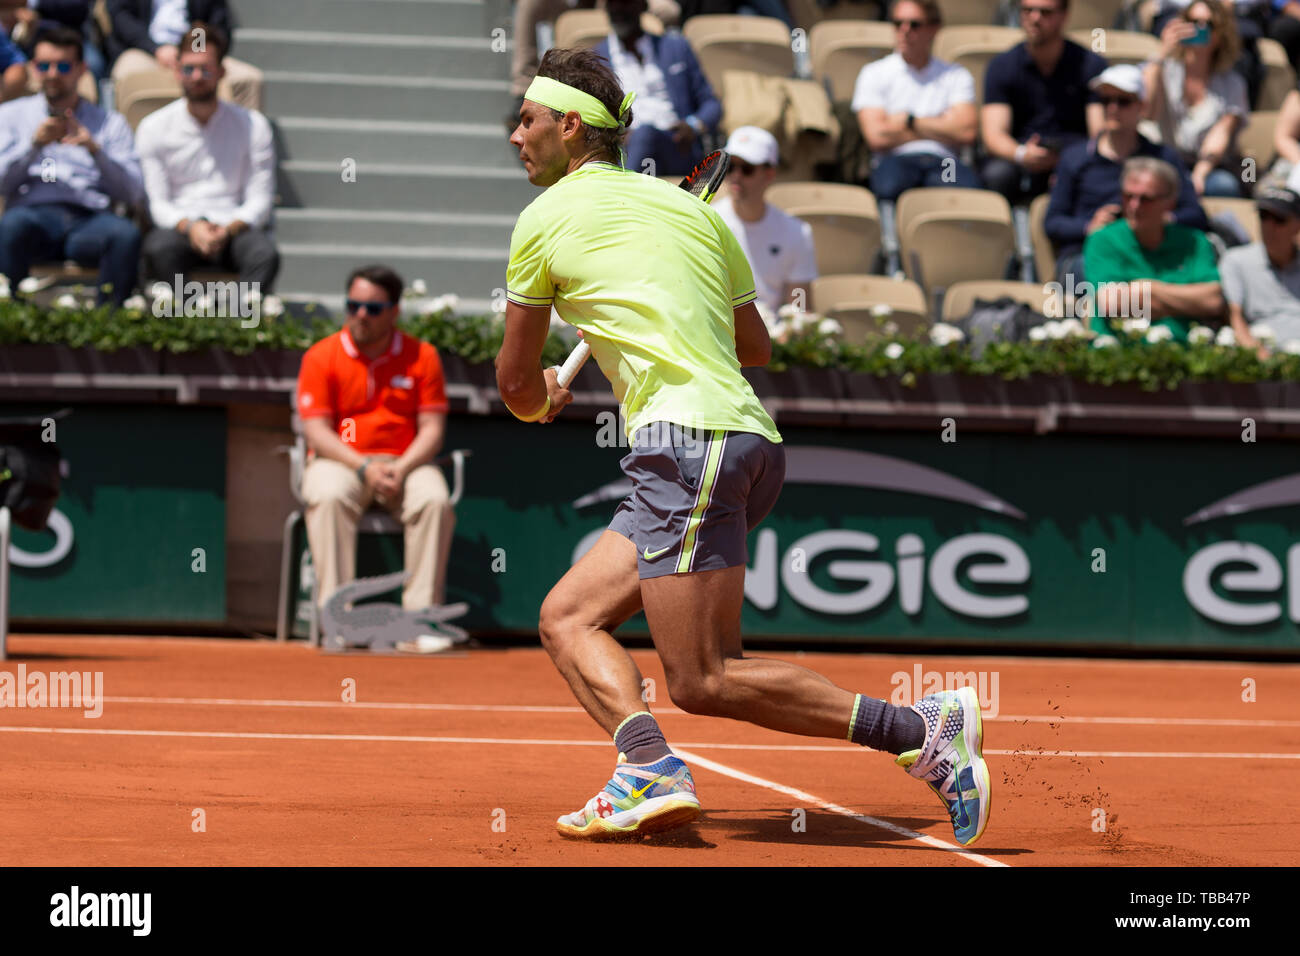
1198,101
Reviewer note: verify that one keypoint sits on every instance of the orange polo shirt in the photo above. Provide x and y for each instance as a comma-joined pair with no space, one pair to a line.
372,403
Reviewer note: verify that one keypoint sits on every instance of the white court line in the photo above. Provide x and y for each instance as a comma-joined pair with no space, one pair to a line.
680,748
803,797
540,709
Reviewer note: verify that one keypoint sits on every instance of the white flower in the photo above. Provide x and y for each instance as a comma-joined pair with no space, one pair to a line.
787,310
1226,337
944,334
1292,347
778,329
1055,329
890,327
67,301
1038,334
4,287
1104,342
894,350
136,302
272,306
829,327
802,320
1135,325
1263,332
1073,328
1160,333
29,285
1200,335
419,288
445,303
882,309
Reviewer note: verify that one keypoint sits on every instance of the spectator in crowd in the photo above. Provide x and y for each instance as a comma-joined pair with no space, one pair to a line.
1285,29
147,35
1198,100
1037,102
1251,18
916,111
209,172
63,163
675,106
1261,281
523,56
1286,136
779,247
13,70
32,16
1086,194
1146,265
374,410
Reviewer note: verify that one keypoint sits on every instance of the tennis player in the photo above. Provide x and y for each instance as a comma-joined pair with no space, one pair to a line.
663,294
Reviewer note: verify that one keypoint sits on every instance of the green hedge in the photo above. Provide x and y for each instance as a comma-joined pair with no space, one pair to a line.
476,338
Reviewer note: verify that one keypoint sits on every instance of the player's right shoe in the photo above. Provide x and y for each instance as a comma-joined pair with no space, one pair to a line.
638,799
950,760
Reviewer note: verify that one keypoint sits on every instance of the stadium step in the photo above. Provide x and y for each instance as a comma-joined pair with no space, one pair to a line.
417,188
308,269
374,55
409,229
412,17
419,99
395,141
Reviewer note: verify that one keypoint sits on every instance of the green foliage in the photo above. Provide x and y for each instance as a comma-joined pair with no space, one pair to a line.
477,338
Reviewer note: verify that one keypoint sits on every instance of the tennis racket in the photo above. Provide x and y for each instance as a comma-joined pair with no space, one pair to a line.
704,181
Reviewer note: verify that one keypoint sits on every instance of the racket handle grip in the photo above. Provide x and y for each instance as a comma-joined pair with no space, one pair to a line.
577,358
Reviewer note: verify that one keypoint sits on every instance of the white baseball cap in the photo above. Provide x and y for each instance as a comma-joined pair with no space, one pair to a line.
754,145
1122,76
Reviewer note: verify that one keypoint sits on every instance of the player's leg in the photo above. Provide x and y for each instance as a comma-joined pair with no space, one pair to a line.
577,619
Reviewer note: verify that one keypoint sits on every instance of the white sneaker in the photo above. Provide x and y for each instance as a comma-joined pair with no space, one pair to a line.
426,644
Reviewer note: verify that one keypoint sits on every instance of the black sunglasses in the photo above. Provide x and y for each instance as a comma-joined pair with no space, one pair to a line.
203,71
914,24
744,168
370,308
63,66
1120,101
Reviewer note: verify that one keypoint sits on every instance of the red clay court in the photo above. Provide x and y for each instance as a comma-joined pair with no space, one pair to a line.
438,754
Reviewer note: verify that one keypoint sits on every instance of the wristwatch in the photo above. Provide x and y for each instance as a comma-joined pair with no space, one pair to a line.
361,468
911,122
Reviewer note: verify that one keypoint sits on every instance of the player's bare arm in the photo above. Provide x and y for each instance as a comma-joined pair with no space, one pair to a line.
525,387
753,344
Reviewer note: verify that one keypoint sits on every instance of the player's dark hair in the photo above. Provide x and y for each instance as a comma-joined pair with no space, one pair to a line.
584,70
382,276
204,36
63,37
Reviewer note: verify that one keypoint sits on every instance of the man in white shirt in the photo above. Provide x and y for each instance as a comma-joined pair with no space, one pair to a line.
209,173
916,112
779,247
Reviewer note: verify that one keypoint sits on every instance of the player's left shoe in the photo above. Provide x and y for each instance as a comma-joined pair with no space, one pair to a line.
950,761
638,799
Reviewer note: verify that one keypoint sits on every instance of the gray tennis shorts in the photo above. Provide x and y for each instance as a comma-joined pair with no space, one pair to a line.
696,493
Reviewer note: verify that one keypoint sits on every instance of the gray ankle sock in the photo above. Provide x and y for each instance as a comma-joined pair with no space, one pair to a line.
640,740
884,726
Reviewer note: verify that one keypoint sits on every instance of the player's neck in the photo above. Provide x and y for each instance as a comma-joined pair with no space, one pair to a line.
592,156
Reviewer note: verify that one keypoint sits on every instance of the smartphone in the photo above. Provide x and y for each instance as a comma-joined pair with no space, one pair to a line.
1200,38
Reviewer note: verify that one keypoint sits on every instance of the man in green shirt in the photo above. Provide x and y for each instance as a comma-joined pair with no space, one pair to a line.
1147,266
663,294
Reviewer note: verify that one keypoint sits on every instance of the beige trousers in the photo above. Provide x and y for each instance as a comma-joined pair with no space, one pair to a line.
136,69
336,499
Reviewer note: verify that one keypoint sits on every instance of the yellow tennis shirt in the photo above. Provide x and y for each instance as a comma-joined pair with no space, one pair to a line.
650,275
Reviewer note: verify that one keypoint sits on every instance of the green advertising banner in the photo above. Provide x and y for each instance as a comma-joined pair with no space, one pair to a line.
988,538
139,531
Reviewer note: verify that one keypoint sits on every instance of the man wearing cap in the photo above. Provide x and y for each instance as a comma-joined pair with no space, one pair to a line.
1086,196
675,105
1261,281
1036,102
1144,265
662,292
779,247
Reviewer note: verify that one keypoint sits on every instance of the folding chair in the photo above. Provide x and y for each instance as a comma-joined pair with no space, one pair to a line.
845,223
732,42
962,295
585,28
841,48
1279,78
374,521
949,234
973,47
862,304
